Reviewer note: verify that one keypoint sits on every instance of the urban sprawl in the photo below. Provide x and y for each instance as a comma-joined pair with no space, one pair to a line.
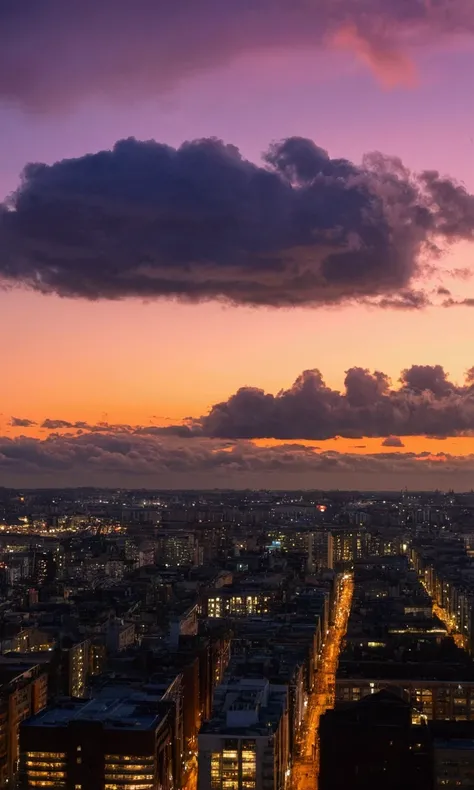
154,640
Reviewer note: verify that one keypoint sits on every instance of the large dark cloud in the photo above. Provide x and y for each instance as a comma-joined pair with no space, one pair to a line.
123,459
425,403
56,52
201,222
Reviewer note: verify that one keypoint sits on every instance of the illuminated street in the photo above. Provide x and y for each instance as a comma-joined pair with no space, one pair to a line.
448,622
190,776
306,763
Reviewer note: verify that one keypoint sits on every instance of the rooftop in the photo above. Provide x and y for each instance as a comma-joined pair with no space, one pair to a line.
112,714
454,743
248,706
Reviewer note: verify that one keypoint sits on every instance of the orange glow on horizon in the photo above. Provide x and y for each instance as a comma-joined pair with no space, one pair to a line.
161,362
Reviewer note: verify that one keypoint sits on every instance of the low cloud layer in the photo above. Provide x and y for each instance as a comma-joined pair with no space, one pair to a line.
200,222
55,53
425,402
122,459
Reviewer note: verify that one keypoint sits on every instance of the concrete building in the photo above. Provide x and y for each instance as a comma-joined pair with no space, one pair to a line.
244,746
346,546
240,602
453,763
23,692
98,745
119,635
372,744
176,547
75,668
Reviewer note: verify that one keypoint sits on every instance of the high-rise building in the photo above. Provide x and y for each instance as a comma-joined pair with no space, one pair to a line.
176,547
74,668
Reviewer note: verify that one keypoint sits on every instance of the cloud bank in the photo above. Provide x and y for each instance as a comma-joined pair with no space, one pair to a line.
148,461
55,53
424,402
200,222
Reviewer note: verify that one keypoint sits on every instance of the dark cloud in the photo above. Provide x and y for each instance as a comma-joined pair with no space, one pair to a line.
136,461
22,422
428,378
468,302
55,53
183,431
392,441
99,427
406,300
427,403
57,425
200,222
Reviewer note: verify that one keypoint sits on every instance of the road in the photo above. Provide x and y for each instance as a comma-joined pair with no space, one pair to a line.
305,770
448,622
304,775
190,775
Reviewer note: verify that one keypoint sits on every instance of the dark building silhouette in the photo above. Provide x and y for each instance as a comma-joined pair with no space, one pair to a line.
453,754
99,745
372,744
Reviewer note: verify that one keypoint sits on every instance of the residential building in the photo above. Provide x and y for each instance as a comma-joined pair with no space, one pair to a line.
244,746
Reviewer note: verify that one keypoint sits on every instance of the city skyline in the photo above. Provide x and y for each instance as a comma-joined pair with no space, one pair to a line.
120,348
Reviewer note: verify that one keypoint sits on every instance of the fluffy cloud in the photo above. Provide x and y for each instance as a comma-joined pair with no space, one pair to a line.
123,459
200,222
55,53
425,403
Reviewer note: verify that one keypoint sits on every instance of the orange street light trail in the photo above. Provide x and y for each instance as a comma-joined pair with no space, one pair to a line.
305,769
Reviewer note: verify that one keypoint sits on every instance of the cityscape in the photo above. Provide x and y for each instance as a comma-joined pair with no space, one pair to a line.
234,640
236,395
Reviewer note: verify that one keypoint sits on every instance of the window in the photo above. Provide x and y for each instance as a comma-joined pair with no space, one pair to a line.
215,770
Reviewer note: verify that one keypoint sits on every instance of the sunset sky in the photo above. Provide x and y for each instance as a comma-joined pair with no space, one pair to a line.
142,288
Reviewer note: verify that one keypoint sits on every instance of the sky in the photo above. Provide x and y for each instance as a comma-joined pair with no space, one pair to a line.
207,276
